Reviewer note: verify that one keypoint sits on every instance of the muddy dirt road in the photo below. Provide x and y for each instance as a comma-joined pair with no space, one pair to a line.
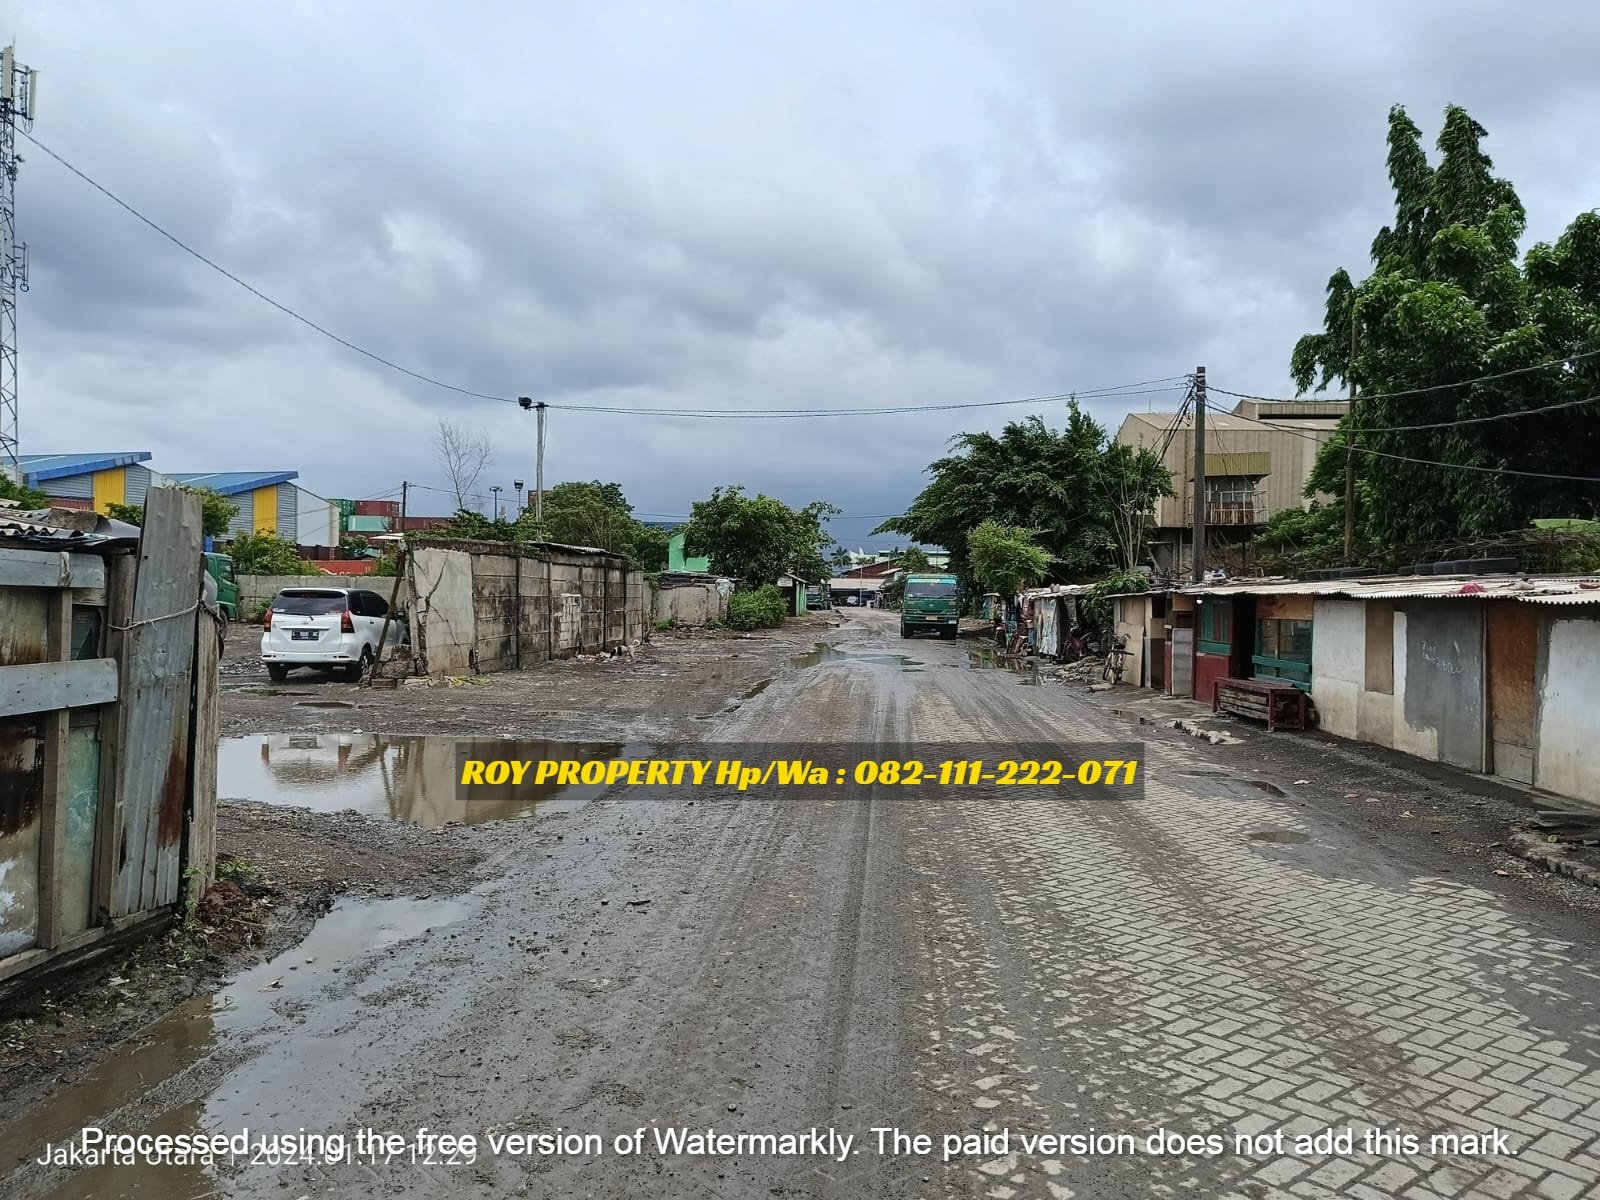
1271,937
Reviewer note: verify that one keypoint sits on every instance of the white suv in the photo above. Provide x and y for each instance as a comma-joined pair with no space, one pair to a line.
334,628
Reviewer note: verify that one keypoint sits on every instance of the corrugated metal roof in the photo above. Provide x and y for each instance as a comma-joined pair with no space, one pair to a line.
230,483
1547,589
36,468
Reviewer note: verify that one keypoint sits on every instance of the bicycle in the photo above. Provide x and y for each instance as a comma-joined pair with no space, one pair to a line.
1116,661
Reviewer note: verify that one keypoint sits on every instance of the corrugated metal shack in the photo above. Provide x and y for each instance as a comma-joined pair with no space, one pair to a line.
108,727
477,607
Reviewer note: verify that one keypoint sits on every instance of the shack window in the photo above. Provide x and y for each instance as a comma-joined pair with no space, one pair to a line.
1216,628
1283,651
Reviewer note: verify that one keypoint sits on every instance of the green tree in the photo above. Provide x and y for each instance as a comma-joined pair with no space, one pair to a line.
26,497
757,538
1005,558
1083,497
216,511
599,515
1448,301
914,560
268,554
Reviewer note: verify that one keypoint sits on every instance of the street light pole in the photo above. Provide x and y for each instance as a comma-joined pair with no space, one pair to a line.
517,483
496,490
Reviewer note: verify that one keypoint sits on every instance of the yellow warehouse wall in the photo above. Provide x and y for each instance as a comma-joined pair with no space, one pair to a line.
264,514
110,487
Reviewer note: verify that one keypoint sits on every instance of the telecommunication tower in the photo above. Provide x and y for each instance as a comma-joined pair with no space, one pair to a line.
19,90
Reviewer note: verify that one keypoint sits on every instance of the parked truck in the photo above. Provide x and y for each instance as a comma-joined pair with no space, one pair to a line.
219,567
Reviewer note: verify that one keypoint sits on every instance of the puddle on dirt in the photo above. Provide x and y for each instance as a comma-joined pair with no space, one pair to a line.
987,658
824,653
326,704
413,779
752,693
154,1058
1281,837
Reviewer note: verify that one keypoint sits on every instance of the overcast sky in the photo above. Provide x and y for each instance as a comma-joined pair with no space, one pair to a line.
719,205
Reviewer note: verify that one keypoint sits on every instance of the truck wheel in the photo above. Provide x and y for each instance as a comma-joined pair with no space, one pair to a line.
904,631
948,635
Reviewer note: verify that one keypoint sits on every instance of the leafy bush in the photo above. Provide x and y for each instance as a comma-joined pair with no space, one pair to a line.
259,612
1095,606
759,608
26,497
268,554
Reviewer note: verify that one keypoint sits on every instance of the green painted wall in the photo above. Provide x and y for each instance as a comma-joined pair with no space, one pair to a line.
677,561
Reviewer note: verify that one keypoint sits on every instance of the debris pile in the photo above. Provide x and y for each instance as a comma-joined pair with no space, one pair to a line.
1085,670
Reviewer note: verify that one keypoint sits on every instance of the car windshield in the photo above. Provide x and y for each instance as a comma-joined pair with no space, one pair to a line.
309,604
930,590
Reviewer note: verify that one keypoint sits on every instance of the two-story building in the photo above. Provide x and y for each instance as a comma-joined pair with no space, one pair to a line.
1258,458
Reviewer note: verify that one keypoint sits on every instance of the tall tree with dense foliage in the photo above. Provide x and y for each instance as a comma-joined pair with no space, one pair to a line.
758,538
1449,301
1084,497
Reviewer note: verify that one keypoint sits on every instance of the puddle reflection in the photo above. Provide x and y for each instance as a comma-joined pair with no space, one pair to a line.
412,779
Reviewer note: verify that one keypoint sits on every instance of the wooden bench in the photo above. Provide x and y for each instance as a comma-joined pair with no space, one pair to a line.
1277,703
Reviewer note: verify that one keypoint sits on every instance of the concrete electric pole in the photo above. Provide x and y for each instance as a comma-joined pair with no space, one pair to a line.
1199,474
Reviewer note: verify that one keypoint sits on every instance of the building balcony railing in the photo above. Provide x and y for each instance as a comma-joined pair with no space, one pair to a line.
1234,511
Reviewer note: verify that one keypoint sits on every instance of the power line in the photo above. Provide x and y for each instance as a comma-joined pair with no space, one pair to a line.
1104,393
1566,360
882,410
257,292
1423,462
1507,416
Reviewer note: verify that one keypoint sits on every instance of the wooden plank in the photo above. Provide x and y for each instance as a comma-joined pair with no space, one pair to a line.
52,686
53,823
156,694
42,568
200,852
122,572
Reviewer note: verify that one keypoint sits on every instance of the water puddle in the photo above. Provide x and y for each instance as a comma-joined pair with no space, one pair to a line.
325,704
756,691
988,658
412,779
1281,837
151,1068
824,653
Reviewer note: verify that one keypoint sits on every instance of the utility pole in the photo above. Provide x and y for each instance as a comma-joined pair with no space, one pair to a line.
496,490
405,488
538,473
1350,454
538,468
1199,474
18,102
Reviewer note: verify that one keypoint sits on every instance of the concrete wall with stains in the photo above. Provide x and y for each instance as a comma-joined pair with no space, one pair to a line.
1352,672
1569,661
691,605
484,607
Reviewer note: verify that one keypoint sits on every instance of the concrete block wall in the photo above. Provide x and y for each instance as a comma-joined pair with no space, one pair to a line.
693,605
255,588
483,607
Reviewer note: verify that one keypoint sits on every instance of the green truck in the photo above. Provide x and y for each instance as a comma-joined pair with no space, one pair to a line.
930,602
220,568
